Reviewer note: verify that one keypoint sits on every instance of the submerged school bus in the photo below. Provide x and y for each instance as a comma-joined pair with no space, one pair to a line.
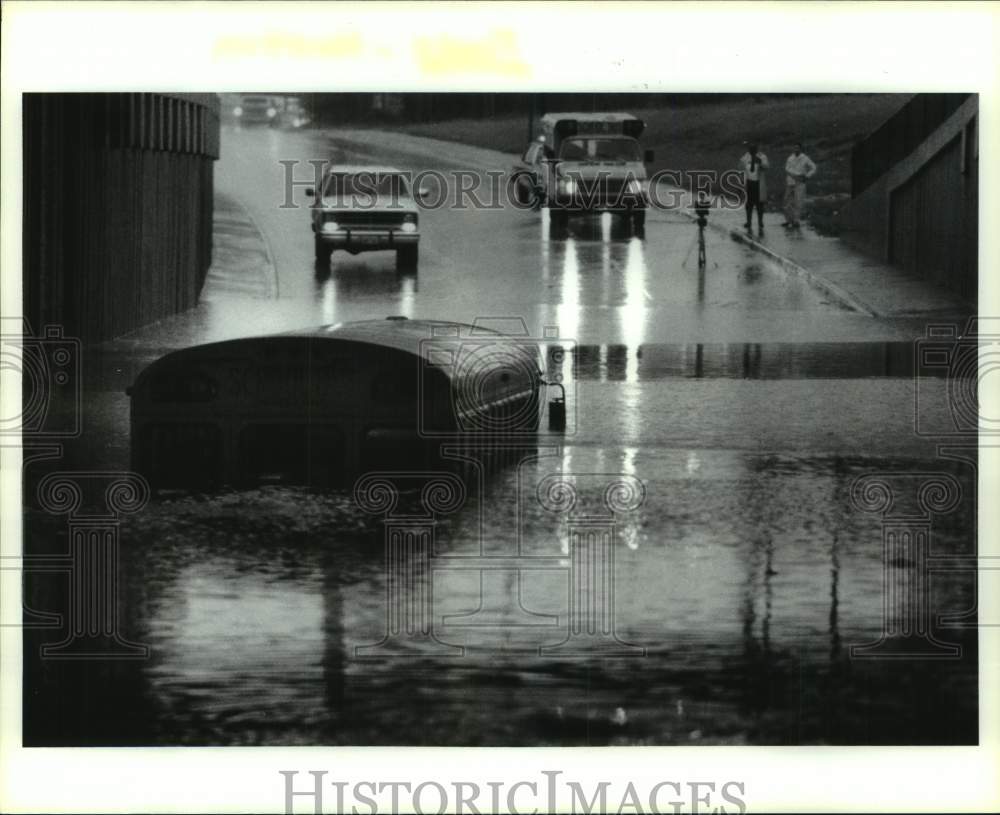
324,406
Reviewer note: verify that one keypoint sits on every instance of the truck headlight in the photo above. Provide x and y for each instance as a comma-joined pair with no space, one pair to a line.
271,113
408,226
237,111
331,226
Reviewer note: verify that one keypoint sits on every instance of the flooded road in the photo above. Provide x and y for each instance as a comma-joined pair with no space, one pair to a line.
740,584
596,283
690,564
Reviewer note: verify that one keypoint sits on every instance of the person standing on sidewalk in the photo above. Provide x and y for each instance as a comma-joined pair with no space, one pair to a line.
754,165
798,168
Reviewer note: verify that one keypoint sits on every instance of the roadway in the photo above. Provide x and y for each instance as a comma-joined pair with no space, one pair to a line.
745,402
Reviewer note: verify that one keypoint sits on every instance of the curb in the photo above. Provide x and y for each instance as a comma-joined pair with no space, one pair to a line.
266,269
272,272
787,265
815,280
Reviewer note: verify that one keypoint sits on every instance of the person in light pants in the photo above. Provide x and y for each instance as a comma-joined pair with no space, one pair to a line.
798,168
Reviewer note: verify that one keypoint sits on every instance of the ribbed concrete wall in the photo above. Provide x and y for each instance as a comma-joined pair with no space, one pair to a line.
922,213
117,208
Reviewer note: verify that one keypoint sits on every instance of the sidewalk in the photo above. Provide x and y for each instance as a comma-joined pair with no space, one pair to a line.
828,264
241,260
832,266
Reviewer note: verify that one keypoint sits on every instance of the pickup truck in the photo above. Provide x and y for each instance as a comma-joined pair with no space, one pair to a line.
365,209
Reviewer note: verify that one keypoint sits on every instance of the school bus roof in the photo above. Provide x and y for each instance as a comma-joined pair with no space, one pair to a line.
440,343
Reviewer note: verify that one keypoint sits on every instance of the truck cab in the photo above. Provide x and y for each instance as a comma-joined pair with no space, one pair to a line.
587,162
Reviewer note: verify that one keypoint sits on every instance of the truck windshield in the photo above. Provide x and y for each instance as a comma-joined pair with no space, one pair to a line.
599,149
340,184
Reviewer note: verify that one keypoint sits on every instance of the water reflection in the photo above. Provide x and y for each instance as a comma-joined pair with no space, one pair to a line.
342,286
834,597
407,295
327,296
639,361
617,278
568,309
734,575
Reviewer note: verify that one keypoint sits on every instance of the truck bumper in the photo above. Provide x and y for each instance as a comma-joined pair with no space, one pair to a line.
368,240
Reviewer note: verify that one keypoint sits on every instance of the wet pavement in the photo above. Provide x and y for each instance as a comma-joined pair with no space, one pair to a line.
736,404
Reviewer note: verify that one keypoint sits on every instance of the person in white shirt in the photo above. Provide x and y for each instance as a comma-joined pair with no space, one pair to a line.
754,165
798,168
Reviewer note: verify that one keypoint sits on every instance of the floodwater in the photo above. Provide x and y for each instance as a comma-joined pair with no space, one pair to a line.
721,606
690,563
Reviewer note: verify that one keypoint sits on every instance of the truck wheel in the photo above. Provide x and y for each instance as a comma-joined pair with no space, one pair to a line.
406,258
323,251
537,196
522,194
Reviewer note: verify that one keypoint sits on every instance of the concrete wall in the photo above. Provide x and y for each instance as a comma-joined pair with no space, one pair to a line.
117,208
922,215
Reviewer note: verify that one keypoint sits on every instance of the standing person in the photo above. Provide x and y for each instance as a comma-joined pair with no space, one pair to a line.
798,168
754,164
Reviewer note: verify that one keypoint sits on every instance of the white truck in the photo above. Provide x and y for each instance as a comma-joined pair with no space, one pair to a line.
586,162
